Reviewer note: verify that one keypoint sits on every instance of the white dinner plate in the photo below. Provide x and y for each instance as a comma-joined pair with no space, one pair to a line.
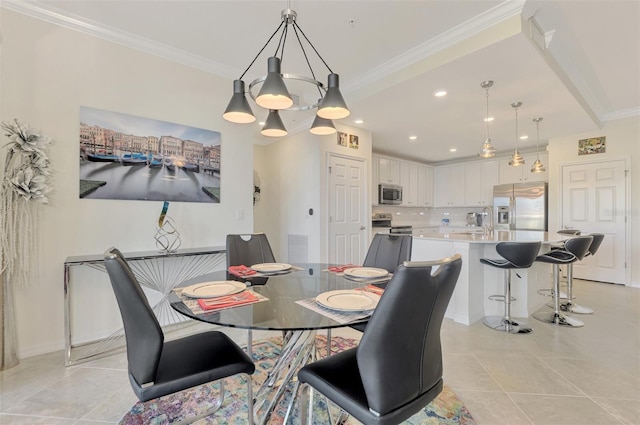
214,289
271,267
366,272
348,300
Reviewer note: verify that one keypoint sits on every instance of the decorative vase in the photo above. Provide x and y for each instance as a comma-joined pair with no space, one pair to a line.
8,355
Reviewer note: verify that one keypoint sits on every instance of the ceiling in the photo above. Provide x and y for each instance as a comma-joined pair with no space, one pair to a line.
393,55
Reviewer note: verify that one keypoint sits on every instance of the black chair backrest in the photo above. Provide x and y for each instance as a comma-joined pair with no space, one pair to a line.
578,246
388,251
247,250
597,241
521,254
400,356
142,331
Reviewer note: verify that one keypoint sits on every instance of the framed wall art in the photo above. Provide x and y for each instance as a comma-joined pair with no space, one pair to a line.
592,145
353,141
343,139
128,157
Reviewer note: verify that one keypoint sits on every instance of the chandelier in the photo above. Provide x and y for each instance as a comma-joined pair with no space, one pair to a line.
516,159
487,150
537,166
270,91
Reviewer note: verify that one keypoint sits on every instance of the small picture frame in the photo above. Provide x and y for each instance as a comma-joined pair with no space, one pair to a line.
592,145
342,139
353,141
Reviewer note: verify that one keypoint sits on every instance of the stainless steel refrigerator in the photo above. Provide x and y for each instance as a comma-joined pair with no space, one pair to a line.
521,206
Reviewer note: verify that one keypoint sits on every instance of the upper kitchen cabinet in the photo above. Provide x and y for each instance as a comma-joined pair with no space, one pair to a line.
449,186
479,179
389,171
417,184
375,179
523,174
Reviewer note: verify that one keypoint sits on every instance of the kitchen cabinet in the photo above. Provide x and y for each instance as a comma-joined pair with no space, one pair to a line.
375,179
479,179
523,174
425,186
449,186
389,171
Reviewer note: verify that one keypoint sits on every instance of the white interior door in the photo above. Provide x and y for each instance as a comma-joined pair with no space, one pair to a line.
594,201
347,210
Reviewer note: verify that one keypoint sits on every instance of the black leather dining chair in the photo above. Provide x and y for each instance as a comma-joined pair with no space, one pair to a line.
158,368
248,249
386,252
396,370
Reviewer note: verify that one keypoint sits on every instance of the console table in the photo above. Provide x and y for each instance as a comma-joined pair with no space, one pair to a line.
157,272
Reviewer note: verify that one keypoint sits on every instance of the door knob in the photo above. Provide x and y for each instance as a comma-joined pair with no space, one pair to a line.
362,227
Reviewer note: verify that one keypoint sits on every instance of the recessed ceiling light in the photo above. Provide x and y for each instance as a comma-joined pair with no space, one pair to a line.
358,121
413,137
489,119
440,93
524,137
453,150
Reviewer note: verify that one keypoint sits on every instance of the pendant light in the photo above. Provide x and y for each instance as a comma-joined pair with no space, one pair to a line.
322,126
516,159
537,166
273,126
238,110
487,150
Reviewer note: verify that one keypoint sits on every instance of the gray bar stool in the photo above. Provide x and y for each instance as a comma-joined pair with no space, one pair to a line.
559,245
569,305
574,249
516,255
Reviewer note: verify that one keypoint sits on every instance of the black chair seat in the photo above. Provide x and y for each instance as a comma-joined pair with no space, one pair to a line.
341,371
515,255
195,360
557,256
501,264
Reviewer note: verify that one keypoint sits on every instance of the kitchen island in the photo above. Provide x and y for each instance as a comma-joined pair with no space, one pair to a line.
477,282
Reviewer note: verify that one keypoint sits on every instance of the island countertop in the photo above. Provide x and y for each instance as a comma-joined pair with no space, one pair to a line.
492,237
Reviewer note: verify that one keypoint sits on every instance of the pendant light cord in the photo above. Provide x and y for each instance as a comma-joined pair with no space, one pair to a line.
487,118
261,50
313,47
304,52
516,128
538,141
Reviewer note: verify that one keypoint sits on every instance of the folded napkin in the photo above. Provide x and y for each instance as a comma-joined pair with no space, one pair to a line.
373,289
228,301
340,269
241,271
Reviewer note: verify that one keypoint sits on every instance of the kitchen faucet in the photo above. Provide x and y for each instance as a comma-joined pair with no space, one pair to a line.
487,211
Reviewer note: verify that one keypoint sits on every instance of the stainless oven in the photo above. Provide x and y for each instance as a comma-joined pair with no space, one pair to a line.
389,194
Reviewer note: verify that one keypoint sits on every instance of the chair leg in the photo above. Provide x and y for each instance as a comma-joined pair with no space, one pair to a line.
569,305
556,317
306,404
505,323
250,400
208,412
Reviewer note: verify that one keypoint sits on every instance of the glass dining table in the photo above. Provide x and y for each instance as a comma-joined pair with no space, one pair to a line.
288,305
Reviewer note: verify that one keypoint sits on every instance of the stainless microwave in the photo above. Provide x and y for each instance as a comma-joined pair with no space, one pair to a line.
389,194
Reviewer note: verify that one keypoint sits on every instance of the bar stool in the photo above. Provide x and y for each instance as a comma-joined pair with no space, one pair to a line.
568,305
574,249
559,245
517,255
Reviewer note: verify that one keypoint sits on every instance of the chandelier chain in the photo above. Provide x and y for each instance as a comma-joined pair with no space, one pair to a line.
261,50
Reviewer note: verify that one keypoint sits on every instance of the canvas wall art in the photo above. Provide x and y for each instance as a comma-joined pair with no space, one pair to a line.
128,157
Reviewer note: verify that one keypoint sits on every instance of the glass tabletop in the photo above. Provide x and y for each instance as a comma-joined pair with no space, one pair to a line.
280,311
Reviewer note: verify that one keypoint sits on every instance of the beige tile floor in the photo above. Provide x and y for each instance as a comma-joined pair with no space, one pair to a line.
585,376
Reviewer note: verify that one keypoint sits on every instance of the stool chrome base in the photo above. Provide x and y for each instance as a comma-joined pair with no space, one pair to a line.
573,308
557,319
499,323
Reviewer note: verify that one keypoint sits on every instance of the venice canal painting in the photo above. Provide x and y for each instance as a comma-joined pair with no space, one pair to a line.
134,158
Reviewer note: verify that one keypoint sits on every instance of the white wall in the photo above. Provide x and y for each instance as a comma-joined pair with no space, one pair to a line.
47,73
294,179
623,139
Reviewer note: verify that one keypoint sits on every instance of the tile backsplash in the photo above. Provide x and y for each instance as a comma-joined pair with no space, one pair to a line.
426,217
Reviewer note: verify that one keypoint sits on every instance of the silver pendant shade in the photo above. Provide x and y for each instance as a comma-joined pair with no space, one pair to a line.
487,150
273,93
516,159
537,166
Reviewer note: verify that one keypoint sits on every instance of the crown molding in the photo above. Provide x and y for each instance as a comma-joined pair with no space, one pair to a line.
451,37
45,12
623,113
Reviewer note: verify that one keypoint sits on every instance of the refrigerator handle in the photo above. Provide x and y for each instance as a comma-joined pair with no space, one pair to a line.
512,213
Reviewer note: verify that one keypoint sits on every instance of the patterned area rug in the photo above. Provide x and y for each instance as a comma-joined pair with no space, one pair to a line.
446,409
